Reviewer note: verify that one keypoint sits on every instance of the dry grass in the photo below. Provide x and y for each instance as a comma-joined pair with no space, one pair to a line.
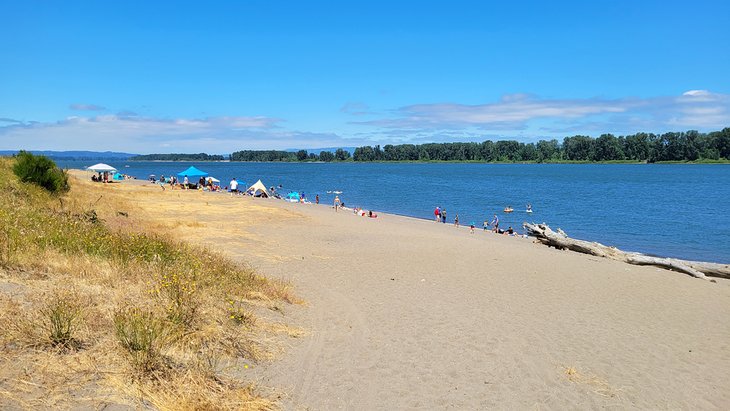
596,384
97,308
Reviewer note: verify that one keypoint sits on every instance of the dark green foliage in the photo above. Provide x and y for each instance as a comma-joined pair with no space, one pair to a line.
342,155
286,156
40,170
263,155
683,146
326,156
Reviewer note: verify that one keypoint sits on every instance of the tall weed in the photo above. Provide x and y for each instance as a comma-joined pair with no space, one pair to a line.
61,315
144,336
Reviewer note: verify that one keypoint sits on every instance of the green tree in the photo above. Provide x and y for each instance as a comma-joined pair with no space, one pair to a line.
364,153
302,155
326,156
607,147
578,148
720,141
547,150
342,155
40,170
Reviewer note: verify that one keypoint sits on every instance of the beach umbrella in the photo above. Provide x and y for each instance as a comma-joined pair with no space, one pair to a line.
101,167
192,172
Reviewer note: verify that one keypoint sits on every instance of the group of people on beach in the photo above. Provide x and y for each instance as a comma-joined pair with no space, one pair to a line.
204,184
173,182
440,216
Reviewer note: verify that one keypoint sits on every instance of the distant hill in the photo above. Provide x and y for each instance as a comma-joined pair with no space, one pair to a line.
75,155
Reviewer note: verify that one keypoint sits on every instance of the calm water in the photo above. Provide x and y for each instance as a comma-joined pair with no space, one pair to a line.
667,210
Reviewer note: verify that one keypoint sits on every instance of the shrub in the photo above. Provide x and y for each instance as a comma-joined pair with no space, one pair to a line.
40,170
61,315
179,296
143,335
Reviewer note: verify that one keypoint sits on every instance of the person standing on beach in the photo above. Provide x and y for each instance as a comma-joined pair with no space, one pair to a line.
337,202
234,186
456,221
437,213
443,216
485,225
495,224
316,199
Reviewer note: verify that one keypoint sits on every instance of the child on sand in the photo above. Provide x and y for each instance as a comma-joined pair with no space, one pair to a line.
456,221
471,228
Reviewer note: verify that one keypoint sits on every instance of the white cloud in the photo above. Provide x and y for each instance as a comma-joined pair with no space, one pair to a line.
696,93
695,108
150,135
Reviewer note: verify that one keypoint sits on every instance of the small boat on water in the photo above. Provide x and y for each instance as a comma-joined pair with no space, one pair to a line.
508,209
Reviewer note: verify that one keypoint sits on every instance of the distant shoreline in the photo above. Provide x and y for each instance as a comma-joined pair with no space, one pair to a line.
444,162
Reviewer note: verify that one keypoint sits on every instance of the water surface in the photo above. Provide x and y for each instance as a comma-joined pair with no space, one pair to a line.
675,210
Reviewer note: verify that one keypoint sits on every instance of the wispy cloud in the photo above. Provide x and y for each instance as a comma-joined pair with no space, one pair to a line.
356,108
148,134
10,120
86,107
694,109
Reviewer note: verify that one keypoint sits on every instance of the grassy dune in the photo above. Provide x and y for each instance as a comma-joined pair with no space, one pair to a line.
98,309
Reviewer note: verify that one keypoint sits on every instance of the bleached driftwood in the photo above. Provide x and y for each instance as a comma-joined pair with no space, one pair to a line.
559,239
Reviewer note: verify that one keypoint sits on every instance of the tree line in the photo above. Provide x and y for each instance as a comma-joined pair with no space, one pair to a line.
288,156
178,157
640,147
648,147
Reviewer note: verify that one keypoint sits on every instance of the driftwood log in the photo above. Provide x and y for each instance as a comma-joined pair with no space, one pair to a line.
560,240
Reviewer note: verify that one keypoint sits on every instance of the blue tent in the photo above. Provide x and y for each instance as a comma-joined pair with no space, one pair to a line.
118,176
192,172
292,197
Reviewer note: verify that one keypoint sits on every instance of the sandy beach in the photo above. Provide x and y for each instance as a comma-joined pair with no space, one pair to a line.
402,313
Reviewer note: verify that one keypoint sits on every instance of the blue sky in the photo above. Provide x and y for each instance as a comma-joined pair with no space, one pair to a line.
217,77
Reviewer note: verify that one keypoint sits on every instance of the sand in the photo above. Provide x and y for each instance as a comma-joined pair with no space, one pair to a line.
403,313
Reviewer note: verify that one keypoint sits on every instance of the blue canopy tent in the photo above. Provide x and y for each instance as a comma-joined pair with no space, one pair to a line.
118,176
192,173
292,197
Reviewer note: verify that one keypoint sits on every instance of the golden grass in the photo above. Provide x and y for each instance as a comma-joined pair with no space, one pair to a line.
70,266
597,385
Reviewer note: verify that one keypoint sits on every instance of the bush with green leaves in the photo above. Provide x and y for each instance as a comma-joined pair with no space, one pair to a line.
40,170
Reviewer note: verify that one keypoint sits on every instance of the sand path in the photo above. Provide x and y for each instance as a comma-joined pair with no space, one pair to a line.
410,314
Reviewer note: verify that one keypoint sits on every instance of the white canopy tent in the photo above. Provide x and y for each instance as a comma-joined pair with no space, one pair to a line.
258,190
101,167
